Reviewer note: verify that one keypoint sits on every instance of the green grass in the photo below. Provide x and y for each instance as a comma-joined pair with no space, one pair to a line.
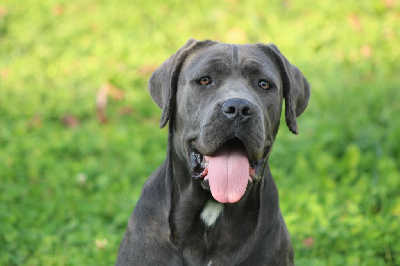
66,193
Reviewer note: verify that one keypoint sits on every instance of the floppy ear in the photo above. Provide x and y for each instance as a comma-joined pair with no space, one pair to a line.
164,81
296,89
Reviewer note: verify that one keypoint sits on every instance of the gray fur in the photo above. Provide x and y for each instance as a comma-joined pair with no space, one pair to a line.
165,227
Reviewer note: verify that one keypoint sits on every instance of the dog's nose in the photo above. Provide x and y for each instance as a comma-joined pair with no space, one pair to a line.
237,109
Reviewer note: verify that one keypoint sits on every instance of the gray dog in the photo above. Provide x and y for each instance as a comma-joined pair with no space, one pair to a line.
213,200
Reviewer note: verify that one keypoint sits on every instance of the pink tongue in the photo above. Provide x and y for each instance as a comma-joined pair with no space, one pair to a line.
228,174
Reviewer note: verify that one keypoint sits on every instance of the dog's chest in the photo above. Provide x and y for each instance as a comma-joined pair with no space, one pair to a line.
211,211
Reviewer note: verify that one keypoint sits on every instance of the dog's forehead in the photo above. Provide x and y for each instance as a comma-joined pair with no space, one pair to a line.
231,55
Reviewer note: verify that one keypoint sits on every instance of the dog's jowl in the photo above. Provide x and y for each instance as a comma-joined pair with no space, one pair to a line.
213,200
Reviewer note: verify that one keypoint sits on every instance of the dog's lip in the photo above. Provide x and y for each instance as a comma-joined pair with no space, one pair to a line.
193,145
198,163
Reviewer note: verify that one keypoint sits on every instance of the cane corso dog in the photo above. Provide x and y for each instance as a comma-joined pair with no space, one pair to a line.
213,200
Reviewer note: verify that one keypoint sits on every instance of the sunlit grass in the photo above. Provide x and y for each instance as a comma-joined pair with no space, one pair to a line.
70,182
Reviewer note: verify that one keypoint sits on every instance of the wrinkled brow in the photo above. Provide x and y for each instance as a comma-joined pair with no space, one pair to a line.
216,61
210,66
253,65
257,67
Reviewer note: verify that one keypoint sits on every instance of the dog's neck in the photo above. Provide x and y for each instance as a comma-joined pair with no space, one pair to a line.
197,219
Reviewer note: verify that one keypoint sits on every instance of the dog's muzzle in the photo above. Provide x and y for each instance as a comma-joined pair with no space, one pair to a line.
227,173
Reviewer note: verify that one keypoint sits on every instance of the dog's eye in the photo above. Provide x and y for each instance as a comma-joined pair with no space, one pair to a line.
263,84
204,80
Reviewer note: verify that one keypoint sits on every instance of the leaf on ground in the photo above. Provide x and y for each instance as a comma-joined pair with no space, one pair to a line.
81,178
102,95
4,73
35,121
127,110
147,69
366,51
115,93
101,243
389,33
101,103
236,35
308,242
390,3
58,10
355,22
70,121
3,11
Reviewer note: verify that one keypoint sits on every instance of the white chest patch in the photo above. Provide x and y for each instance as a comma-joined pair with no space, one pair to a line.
211,211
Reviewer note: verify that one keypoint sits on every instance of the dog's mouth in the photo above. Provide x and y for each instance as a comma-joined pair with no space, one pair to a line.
226,173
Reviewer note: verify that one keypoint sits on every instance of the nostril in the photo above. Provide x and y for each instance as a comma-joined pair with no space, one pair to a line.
230,110
247,111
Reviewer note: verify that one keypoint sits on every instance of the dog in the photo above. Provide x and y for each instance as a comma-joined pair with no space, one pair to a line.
213,200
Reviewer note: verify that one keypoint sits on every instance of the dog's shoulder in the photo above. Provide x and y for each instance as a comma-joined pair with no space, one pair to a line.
148,228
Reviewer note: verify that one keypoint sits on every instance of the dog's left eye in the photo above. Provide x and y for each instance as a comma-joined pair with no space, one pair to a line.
263,84
204,80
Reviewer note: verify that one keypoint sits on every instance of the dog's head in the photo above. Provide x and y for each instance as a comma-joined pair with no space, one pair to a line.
225,102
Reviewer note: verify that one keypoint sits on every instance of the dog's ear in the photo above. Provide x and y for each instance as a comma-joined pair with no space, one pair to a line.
296,89
164,81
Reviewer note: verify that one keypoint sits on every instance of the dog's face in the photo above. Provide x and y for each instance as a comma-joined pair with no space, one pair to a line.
228,92
227,101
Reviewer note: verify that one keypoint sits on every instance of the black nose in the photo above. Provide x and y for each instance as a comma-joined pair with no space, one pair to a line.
237,109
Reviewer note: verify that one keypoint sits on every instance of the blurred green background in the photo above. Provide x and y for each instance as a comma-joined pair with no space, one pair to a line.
70,173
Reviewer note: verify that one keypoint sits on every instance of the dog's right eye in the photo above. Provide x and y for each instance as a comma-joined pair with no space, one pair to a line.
204,80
